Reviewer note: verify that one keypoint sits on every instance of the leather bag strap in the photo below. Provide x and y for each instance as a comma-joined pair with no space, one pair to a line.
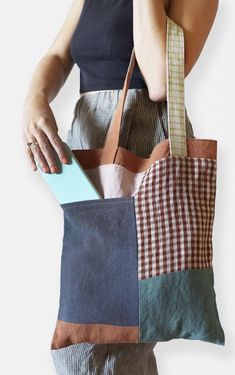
175,97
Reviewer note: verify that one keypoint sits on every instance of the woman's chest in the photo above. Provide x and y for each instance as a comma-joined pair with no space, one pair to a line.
105,29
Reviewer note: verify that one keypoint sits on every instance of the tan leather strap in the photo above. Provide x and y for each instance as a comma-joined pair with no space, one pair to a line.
175,97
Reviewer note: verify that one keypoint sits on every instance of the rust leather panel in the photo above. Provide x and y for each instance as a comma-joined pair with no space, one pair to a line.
66,334
196,148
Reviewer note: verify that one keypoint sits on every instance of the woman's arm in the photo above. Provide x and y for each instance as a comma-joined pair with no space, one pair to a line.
196,17
38,121
54,67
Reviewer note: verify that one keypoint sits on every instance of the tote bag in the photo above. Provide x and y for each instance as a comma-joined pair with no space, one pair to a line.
136,265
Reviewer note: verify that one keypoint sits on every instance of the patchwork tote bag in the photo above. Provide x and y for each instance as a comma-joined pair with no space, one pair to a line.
136,265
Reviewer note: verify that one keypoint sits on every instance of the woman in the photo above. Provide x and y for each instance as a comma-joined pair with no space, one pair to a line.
98,36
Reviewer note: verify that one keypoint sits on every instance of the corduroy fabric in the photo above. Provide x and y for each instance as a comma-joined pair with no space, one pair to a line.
106,359
144,124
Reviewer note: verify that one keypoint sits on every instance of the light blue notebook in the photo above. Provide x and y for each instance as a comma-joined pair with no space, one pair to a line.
71,183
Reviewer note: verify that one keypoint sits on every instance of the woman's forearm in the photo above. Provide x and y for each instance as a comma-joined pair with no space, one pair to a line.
48,78
149,33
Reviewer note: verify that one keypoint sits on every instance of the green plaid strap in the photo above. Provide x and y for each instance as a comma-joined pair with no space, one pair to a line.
175,89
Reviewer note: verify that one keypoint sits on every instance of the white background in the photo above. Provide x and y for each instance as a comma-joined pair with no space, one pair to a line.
31,219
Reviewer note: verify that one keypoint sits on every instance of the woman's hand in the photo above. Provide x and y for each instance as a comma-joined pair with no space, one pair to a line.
39,126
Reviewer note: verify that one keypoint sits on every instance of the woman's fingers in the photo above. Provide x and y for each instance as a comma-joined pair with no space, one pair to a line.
50,136
58,145
40,128
29,154
43,153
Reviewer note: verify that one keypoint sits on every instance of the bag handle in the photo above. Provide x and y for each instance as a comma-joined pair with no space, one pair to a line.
175,97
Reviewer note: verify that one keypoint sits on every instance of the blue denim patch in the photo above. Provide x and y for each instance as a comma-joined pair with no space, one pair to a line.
99,263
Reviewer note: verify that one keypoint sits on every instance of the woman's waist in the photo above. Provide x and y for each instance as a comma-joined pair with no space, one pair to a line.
112,92
97,91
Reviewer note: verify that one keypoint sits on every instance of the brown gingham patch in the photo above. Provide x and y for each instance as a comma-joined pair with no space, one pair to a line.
174,215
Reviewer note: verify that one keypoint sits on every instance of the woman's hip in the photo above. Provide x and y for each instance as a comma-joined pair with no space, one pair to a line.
144,122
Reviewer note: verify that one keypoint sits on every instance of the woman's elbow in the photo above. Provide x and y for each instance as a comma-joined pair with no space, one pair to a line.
157,94
155,79
153,70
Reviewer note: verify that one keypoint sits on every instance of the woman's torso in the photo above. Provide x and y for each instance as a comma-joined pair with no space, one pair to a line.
102,43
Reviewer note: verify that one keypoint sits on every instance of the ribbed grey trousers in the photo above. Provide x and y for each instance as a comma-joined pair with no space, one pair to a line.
144,124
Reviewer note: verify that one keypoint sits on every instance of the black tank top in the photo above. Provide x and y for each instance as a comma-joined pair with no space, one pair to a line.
102,43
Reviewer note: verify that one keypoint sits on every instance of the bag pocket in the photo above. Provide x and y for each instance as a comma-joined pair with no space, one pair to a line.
99,281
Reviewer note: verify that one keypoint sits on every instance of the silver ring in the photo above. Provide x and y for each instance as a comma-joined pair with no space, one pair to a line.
29,144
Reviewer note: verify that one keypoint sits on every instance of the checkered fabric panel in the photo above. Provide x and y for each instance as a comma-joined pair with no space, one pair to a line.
174,215
175,89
